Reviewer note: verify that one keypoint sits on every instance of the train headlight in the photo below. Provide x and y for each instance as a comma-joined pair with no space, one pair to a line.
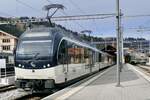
48,65
23,66
19,65
44,66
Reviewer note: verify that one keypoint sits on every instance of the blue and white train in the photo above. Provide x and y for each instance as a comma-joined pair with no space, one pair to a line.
52,56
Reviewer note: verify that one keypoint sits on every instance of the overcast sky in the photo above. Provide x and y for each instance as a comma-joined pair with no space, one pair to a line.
101,27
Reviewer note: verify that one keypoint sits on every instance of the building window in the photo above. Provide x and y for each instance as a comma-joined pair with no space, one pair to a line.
6,40
7,48
4,34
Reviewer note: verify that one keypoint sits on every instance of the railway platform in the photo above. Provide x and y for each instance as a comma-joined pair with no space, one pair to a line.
134,86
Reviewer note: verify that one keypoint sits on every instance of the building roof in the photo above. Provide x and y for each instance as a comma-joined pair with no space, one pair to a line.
110,50
8,34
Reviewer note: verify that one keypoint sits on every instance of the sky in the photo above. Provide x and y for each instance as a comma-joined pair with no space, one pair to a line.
100,27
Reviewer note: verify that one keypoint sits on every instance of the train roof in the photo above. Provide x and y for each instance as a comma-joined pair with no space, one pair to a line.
66,35
83,44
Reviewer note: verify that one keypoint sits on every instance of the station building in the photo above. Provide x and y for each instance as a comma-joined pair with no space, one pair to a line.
7,46
7,42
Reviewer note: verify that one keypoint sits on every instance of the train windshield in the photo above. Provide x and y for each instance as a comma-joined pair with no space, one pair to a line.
36,42
31,48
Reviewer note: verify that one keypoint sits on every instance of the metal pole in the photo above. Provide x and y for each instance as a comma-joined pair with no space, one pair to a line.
121,38
122,48
118,43
105,44
149,46
0,73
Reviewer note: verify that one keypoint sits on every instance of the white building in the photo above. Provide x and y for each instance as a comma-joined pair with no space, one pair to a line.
7,42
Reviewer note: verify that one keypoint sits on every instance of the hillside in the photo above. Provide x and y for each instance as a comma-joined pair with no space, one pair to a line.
11,29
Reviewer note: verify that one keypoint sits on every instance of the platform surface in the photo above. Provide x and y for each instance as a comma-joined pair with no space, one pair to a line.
133,87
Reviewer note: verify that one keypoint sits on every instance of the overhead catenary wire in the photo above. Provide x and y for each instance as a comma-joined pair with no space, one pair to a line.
82,11
27,5
81,17
63,12
76,6
75,22
94,16
135,16
85,17
52,3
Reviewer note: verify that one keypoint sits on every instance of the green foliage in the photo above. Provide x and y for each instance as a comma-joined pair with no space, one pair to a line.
11,29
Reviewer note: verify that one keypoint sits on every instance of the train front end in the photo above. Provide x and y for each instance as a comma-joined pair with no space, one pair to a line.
33,60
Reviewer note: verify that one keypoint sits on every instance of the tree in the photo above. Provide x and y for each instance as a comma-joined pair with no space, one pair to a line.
11,29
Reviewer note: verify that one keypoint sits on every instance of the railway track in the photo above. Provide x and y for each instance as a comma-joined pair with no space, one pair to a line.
39,96
145,68
12,93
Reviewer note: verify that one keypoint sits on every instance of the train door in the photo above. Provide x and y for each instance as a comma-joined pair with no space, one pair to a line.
90,60
99,60
87,57
95,61
74,61
95,64
65,64
61,70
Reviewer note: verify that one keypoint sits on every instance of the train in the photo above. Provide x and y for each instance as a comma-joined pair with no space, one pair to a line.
136,58
49,57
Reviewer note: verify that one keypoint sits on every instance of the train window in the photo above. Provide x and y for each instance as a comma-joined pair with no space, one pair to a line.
87,56
93,57
97,57
62,53
71,52
100,57
42,47
76,54
82,55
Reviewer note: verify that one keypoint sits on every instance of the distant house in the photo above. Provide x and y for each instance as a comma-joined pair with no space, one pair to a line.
7,46
7,42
